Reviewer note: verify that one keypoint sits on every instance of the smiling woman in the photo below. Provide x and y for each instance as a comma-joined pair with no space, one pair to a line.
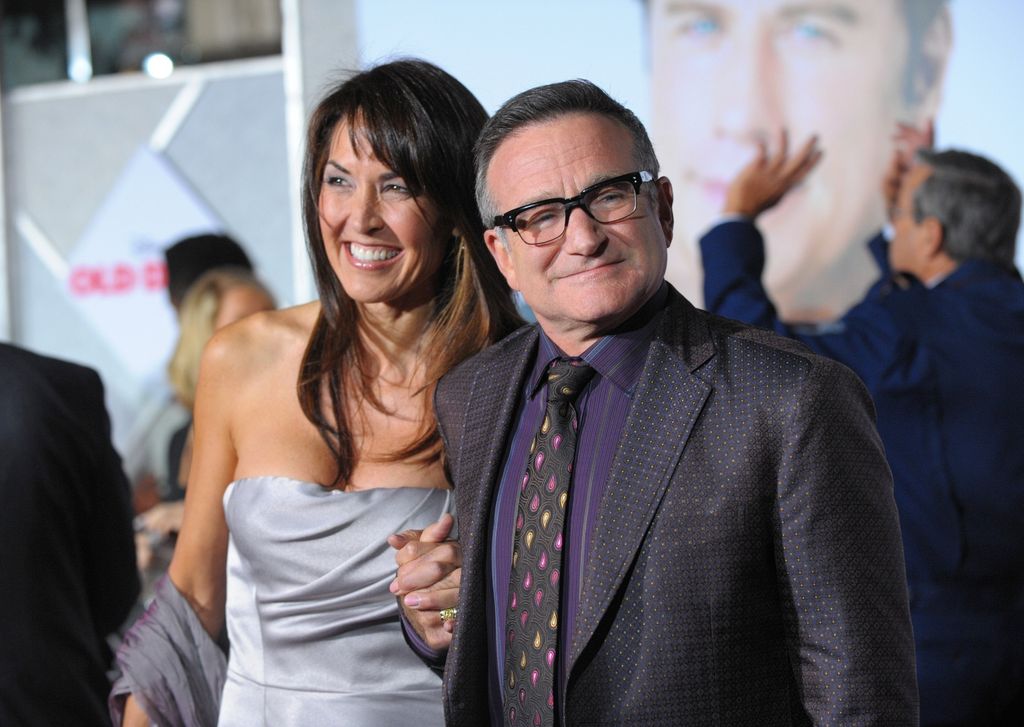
315,433
385,244
389,171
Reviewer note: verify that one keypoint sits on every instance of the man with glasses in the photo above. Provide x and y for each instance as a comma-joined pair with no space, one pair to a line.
665,517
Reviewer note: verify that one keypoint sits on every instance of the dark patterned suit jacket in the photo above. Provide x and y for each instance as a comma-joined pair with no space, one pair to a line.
747,565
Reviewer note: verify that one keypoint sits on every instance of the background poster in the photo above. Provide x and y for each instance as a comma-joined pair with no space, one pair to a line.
709,78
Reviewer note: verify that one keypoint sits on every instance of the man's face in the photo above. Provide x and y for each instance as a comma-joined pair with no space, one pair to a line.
595,276
727,73
907,252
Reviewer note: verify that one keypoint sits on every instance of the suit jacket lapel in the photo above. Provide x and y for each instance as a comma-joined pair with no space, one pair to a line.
492,406
668,400
494,398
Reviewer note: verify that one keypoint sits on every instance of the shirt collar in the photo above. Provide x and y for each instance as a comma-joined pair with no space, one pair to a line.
935,280
618,356
974,269
879,249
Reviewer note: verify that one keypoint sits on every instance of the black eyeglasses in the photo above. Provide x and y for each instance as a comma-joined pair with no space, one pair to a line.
539,223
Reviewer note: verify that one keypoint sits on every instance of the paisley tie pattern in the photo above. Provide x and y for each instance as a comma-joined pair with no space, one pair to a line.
531,621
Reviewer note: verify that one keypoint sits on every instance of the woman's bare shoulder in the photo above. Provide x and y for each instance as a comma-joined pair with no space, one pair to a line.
262,342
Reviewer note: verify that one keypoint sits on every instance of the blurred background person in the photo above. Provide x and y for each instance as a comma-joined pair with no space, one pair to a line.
939,342
67,569
729,74
219,297
315,433
191,257
187,260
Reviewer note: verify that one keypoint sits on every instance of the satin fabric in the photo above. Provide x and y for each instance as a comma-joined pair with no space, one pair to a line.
315,634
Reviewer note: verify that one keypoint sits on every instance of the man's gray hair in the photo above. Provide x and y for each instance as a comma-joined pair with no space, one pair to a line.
546,103
977,203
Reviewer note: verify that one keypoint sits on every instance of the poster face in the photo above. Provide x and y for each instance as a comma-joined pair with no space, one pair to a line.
711,78
728,74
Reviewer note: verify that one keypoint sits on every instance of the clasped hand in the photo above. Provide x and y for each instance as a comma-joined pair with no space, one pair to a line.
428,578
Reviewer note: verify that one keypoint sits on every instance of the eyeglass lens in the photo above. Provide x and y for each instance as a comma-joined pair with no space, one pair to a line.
609,203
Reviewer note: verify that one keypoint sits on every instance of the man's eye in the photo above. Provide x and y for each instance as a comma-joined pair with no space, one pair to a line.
809,31
608,197
698,26
704,26
813,32
539,219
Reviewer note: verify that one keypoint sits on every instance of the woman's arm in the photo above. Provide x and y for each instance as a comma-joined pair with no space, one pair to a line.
198,568
168,646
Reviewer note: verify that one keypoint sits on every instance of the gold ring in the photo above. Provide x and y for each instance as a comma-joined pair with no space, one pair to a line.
448,614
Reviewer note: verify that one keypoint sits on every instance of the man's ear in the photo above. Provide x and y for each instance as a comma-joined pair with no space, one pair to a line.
665,216
501,255
932,237
925,78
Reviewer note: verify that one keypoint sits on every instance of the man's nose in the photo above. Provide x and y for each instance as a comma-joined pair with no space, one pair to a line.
583,234
746,99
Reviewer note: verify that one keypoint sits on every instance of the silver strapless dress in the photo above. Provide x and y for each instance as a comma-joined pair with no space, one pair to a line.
315,635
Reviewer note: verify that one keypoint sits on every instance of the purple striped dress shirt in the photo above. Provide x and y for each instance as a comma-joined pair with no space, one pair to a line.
602,407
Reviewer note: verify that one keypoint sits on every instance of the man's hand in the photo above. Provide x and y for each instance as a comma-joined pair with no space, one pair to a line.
164,518
429,574
134,715
908,140
769,176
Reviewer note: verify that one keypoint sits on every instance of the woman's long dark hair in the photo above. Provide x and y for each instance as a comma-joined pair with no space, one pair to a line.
421,123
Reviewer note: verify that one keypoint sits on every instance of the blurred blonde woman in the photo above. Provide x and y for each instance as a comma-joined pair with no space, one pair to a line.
217,298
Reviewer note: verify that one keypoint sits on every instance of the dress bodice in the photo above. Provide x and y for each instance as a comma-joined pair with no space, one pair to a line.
314,630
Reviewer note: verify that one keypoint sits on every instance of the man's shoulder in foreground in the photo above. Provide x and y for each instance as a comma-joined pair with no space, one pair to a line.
498,354
36,387
738,348
20,361
699,336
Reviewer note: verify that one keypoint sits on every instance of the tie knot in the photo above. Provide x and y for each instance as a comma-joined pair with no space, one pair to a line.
566,378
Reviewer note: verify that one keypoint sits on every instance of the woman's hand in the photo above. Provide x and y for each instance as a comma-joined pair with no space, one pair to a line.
428,578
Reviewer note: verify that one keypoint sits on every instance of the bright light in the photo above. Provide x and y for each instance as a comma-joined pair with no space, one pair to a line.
80,70
158,65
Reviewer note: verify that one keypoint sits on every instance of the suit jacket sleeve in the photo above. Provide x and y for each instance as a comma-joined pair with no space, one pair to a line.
111,577
867,338
839,559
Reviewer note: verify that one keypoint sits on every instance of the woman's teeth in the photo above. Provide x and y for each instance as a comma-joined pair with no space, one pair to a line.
371,254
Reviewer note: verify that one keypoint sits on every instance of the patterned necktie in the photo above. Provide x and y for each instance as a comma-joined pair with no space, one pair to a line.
531,622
